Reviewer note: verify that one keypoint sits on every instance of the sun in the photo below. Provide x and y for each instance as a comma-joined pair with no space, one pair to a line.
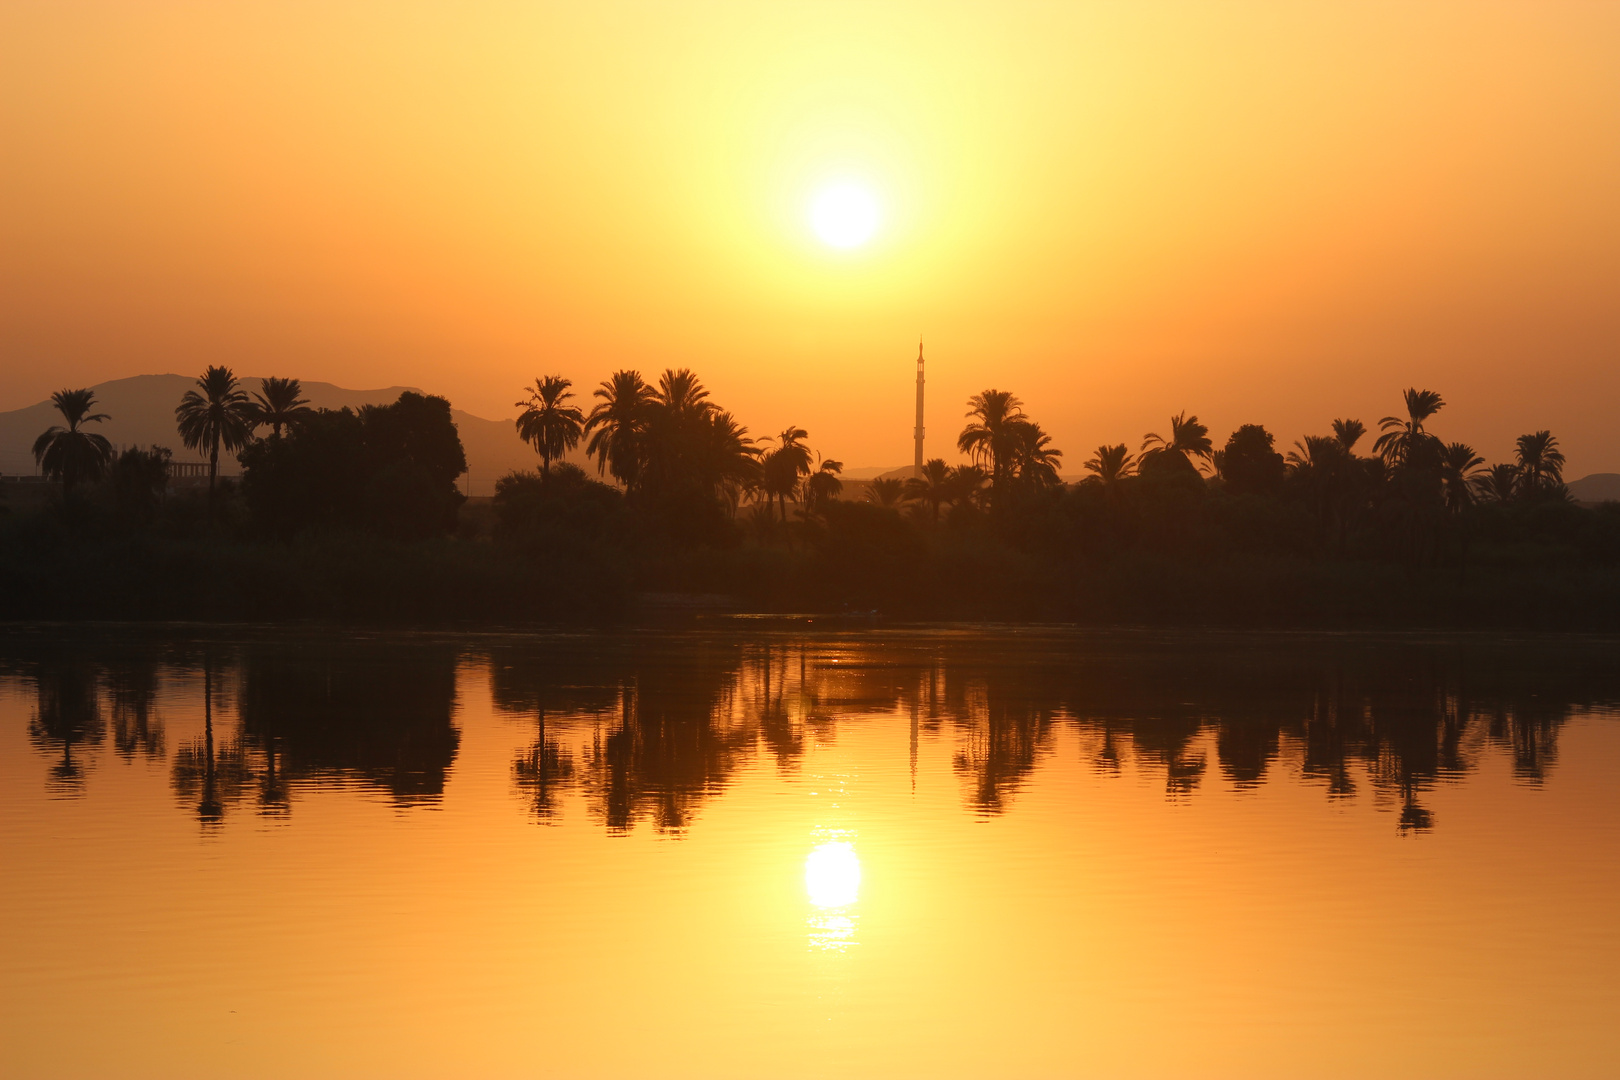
832,875
844,215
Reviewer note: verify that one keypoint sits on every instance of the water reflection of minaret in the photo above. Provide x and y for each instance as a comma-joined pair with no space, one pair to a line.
917,457
916,703
210,810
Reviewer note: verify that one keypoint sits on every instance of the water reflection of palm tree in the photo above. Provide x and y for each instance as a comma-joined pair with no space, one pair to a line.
209,809
776,726
274,798
1007,729
68,715
543,770
209,772
1398,722
132,687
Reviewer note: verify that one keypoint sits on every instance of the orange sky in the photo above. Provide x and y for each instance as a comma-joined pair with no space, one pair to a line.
1258,212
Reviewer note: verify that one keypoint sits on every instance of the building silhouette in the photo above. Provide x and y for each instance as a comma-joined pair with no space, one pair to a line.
917,458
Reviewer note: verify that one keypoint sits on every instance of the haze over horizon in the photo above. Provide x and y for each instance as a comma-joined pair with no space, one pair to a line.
1262,213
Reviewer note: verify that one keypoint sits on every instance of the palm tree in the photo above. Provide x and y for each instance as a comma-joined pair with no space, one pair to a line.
1459,465
680,393
277,403
784,465
1404,442
1541,463
933,486
966,482
1332,478
823,485
1188,439
1348,433
1111,464
1499,483
692,450
551,426
1037,460
992,437
618,426
67,453
886,490
221,415
1316,452
728,461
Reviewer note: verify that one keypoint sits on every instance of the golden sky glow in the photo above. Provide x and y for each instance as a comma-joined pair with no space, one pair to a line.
1261,212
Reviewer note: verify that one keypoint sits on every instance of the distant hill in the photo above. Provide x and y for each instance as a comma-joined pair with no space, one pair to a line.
1599,487
867,472
142,414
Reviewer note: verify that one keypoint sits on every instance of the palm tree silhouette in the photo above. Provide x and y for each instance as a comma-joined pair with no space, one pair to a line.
618,426
222,415
886,491
1111,464
1188,439
966,484
823,485
693,448
993,436
277,403
783,466
1331,477
932,487
1499,483
69,714
552,427
1037,460
681,394
728,462
1348,433
1404,442
1459,466
1541,463
67,453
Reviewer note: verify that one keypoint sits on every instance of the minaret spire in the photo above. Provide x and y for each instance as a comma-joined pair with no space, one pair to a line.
917,463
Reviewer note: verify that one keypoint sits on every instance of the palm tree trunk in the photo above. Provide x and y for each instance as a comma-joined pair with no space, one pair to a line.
213,467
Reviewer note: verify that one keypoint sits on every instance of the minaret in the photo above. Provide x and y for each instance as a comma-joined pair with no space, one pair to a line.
917,464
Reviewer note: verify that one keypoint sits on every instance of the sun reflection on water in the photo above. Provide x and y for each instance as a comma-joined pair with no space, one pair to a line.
832,880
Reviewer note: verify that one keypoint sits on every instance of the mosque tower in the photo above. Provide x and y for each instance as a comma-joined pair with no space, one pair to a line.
917,463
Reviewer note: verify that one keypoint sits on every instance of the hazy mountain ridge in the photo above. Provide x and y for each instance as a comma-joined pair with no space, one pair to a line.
141,413
1596,488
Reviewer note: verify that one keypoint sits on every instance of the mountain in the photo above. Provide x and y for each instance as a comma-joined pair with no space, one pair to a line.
141,412
1599,487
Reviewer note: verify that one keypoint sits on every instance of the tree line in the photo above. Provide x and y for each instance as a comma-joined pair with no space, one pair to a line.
684,499
671,443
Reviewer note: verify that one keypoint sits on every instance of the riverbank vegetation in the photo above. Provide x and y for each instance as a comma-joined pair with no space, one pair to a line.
357,516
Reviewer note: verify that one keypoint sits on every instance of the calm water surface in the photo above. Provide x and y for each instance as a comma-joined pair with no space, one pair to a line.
965,852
